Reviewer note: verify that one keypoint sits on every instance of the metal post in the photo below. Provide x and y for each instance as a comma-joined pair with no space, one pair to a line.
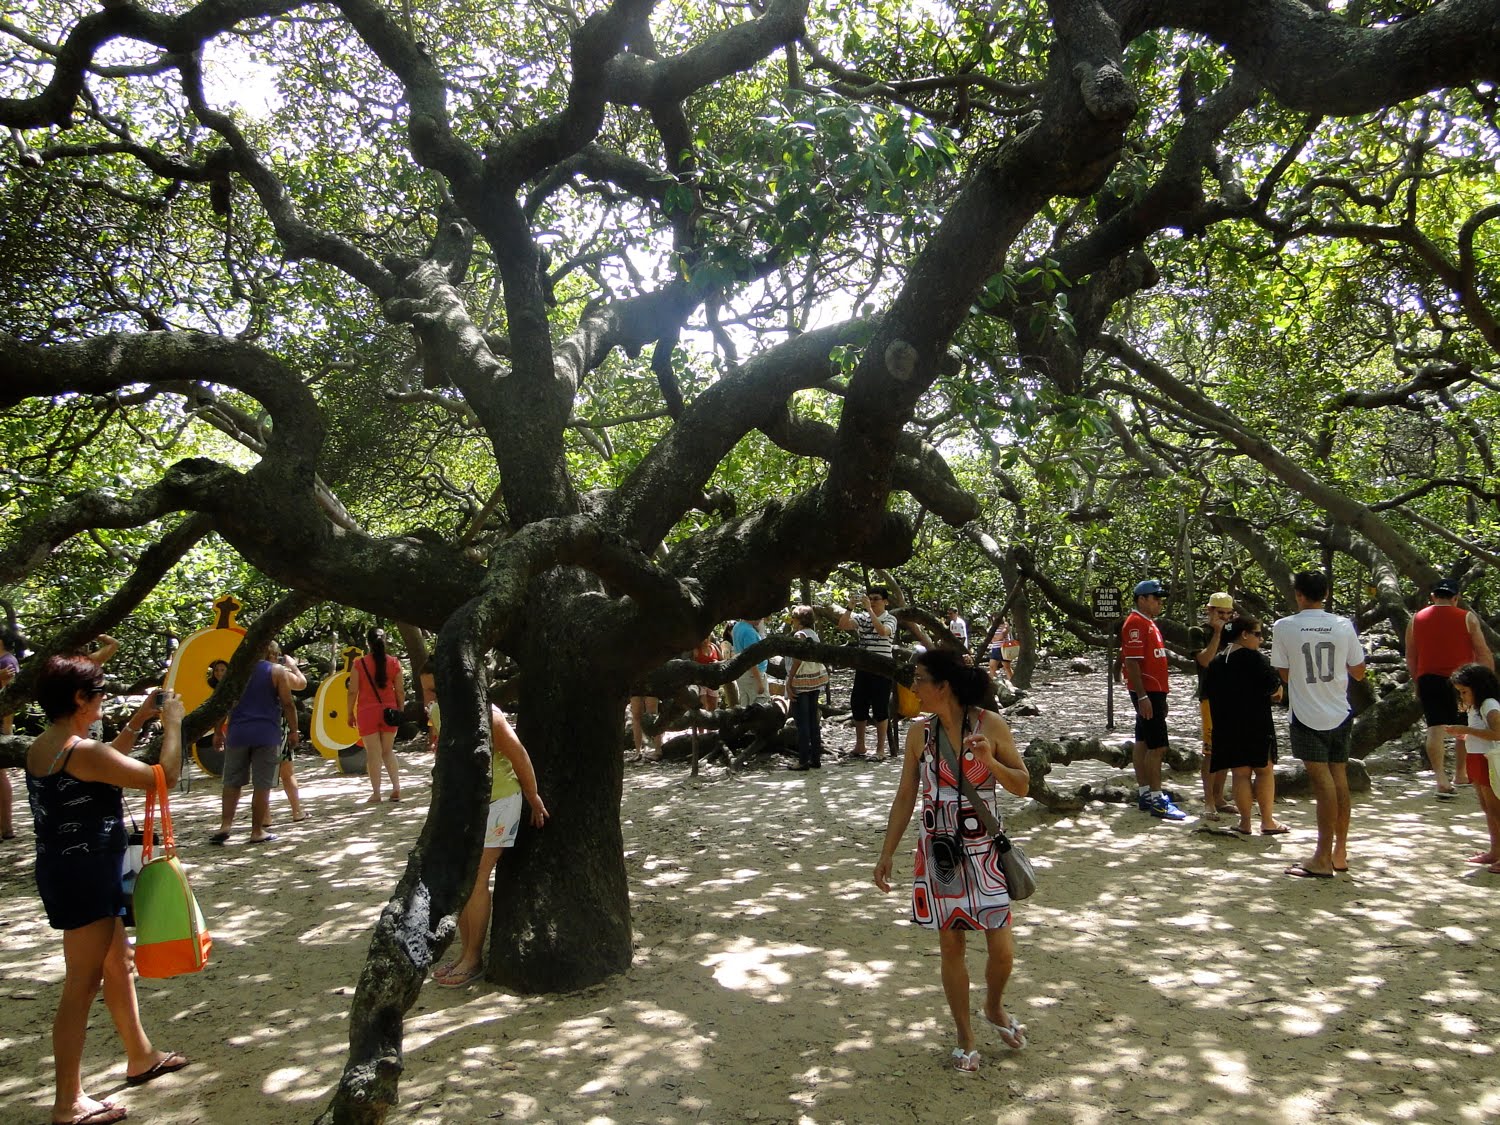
1109,696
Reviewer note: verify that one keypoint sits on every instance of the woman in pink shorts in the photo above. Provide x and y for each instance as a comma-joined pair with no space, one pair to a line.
376,683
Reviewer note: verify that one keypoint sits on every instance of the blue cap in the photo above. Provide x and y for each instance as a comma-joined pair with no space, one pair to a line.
1149,586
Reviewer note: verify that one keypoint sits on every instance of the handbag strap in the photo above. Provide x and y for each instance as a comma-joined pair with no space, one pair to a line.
157,795
980,806
365,668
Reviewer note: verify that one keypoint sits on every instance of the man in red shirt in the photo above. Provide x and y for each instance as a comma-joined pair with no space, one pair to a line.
1145,656
1440,639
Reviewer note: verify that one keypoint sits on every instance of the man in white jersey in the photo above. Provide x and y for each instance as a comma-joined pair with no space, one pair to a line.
1316,653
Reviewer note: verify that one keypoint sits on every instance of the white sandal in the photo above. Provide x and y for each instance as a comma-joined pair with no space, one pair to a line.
1012,1034
965,1062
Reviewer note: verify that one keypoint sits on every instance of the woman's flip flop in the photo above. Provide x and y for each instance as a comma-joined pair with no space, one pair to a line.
1012,1034
965,1062
173,1060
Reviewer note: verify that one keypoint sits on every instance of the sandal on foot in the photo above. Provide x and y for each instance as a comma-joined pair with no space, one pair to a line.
457,980
172,1060
106,1114
1485,858
1012,1034
1237,830
965,1062
1275,830
1297,871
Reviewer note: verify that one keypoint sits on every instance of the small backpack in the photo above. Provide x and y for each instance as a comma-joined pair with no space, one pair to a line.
170,935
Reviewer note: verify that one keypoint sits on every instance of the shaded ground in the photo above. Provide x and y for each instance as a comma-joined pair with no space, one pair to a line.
1161,971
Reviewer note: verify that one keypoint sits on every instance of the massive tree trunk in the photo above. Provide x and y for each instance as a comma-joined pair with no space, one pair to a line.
418,921
561,915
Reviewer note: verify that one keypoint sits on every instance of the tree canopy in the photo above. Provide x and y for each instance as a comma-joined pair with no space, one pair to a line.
570,330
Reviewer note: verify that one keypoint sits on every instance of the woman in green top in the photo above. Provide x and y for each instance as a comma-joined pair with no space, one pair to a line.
511,780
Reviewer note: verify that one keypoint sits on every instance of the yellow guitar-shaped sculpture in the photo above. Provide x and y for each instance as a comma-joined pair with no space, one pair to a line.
333,731
187,675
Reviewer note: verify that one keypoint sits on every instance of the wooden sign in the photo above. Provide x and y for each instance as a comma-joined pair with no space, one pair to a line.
1106,602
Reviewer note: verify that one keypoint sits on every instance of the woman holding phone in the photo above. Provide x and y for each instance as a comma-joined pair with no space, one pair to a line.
74,784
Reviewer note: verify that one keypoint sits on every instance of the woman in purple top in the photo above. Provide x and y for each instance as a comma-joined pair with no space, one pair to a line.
253,741
74,785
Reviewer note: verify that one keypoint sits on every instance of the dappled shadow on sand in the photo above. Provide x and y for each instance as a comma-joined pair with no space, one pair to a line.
1161,970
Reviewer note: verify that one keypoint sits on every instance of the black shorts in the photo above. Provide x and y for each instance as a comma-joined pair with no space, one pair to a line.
870,697
1152,731
1439,701
79,890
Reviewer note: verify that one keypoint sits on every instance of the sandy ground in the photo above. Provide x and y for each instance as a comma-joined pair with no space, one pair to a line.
1162,971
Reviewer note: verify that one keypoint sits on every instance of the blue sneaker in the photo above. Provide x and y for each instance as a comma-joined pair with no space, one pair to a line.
1143,802
1163,809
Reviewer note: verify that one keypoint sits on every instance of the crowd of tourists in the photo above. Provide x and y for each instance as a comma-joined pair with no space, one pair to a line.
957,757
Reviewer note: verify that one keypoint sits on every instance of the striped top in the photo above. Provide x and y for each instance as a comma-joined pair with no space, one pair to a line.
869,639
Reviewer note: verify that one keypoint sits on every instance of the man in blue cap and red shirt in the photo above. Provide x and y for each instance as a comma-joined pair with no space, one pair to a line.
1145,656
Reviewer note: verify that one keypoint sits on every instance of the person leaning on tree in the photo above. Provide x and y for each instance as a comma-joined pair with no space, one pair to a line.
1440,639
512,788
1144,655
1316,653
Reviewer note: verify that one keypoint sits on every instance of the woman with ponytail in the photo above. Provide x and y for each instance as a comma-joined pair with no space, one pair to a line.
375,686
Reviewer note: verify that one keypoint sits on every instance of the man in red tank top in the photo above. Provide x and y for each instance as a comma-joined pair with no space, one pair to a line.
1440,639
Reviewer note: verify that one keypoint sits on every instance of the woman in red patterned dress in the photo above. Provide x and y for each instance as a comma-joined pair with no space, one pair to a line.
958,884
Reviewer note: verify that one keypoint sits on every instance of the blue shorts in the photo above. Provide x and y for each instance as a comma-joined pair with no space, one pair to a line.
79,890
